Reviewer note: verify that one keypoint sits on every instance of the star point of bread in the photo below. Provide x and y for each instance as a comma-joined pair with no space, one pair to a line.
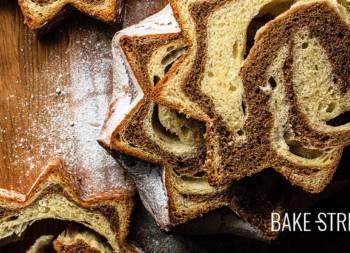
135,124
41,13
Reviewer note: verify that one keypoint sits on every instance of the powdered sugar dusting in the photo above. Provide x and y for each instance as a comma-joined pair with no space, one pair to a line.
127,91
148,178
149,181
67,121
90,93
162,22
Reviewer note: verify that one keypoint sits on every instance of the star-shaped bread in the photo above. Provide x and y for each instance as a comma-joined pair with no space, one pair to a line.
282,104
73,240
54,195
143,54
41,14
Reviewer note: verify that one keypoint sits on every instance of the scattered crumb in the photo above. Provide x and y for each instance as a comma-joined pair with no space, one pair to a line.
58,91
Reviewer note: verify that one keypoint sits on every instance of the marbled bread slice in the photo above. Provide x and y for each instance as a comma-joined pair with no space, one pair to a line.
71,240
55,196
174,200
174,195
39,14
243,135
143,53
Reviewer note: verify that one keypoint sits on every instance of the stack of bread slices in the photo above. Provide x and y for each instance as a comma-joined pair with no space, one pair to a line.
219,97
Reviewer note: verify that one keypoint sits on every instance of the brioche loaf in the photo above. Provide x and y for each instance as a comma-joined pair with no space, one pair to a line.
54,196
257,116
42,13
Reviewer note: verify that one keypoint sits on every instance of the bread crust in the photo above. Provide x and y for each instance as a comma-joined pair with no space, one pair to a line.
59,11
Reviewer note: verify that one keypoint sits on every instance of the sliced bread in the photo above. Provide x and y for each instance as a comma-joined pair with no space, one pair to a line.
251,125
55,196
173,200
135,124
173,194
42,13
80,241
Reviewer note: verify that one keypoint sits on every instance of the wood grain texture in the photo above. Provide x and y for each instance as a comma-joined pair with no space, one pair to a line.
22,58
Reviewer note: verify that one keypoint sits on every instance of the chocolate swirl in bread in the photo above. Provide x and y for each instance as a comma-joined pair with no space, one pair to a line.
54,196
248,128
72,240
173,195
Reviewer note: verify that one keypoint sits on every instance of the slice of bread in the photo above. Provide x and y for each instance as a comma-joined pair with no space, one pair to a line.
168,197
54,196
257,116
76,241
42,13
136,125
173,200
